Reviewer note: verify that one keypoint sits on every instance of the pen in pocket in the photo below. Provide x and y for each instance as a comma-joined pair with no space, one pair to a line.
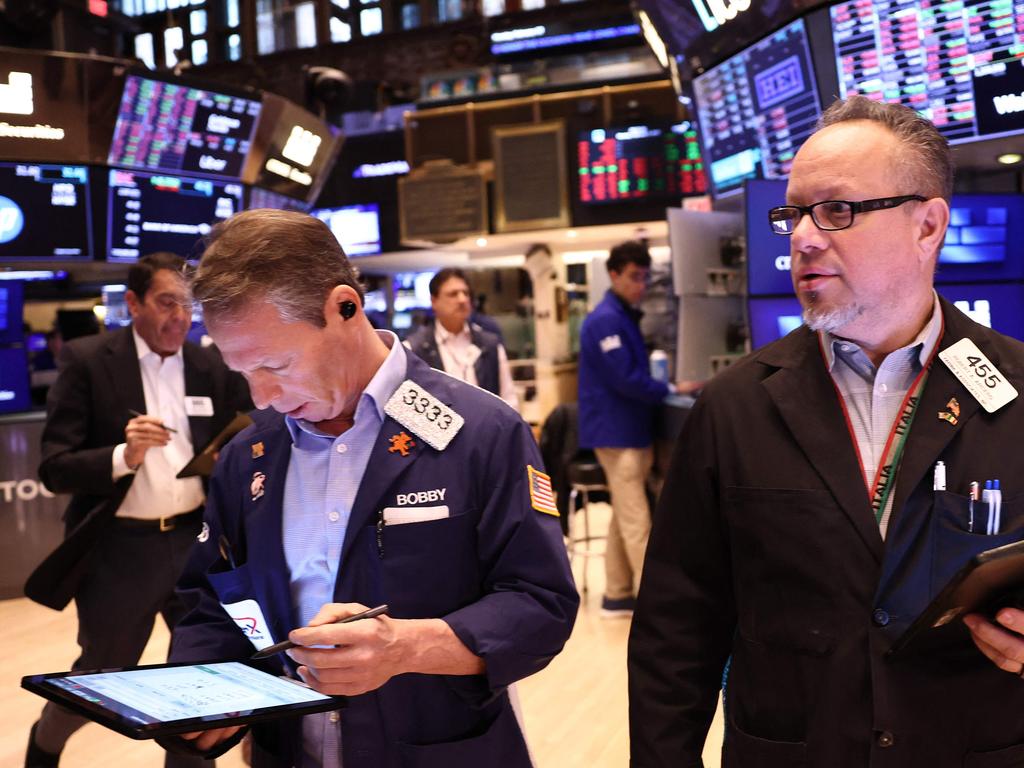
975,492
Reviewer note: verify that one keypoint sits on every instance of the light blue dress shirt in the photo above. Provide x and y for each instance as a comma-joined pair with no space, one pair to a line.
324,473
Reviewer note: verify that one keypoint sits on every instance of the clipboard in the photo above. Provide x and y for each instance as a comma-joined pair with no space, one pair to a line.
991,581
202,463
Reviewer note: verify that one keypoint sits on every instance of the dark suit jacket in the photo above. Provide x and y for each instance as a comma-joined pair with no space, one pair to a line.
764,546
86,413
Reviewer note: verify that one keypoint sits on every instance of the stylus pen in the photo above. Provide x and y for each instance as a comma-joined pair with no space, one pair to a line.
269,651
133,412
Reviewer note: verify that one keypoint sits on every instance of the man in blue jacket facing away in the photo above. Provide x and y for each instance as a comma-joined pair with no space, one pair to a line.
617,399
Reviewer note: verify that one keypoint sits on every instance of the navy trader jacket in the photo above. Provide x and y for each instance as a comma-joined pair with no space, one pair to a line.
617,395
495,570
765,547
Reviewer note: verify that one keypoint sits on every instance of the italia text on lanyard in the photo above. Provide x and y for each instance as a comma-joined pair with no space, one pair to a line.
885,475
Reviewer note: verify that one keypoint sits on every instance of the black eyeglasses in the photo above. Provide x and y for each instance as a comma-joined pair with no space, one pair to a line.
831,215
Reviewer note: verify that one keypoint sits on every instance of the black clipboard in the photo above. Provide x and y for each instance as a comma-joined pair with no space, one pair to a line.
135,703
201,465
991,581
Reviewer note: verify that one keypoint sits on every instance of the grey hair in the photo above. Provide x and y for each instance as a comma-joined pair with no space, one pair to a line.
925,162
289,259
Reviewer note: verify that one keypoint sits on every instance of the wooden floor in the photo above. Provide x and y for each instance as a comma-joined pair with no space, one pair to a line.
575,710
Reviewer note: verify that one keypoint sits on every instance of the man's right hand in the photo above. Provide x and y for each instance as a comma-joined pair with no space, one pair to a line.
141,434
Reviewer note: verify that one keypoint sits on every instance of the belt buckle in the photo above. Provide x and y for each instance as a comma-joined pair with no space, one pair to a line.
166,524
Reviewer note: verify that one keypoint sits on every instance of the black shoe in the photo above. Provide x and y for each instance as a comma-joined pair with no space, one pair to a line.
37,758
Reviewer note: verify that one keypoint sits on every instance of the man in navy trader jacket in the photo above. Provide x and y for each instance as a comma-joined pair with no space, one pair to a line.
617,398
452,525
766,544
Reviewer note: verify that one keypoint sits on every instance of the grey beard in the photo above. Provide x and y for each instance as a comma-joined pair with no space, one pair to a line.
832,320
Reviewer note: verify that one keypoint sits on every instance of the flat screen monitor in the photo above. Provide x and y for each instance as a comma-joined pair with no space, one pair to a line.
12,304
772,318
411,290
45,212
116,306
14,380
639,162
264,198
999,306
179,128
756,108
356,227
983,241
959,64
767,253
150,212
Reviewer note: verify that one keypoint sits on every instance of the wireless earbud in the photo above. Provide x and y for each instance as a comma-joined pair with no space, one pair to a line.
347,309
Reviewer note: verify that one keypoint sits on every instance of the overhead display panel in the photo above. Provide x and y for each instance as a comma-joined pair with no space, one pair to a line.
160,212
180,128
756,108
960,64
44,212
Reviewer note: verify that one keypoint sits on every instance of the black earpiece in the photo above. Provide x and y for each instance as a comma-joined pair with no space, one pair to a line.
347,309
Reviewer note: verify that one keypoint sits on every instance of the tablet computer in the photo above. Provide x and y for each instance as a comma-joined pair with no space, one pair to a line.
991,581
164,699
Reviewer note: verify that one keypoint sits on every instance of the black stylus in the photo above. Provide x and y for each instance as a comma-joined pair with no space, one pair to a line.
269,651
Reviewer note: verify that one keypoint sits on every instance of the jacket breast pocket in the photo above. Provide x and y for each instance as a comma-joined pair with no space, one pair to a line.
231,585
958,533
1010,757
429,568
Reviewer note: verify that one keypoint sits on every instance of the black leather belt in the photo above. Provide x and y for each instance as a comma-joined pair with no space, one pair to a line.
162,524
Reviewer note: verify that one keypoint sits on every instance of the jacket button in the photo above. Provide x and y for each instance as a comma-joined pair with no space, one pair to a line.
885,739
880,617
334,717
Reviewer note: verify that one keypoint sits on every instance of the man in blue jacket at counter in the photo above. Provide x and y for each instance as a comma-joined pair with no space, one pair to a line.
617,398
374,480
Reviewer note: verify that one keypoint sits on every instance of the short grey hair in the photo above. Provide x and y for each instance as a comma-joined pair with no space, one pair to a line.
290,259
925,162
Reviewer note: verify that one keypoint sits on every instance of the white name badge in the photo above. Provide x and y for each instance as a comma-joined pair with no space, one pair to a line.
424,415
976,372
405,515
198,406
248,615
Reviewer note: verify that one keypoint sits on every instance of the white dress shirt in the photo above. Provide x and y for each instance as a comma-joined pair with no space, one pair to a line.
155,492
459,354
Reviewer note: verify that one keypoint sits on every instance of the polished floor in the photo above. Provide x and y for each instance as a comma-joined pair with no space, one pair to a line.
575,710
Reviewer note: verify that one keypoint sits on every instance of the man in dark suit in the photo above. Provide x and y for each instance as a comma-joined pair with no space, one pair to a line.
799,532
139,520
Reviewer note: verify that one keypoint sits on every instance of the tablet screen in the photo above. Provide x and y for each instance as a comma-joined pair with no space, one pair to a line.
166,694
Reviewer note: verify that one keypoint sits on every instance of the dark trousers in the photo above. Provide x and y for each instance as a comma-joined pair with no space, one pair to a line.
131,580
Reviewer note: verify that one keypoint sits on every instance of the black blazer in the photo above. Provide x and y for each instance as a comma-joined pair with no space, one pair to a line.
764,547
87,409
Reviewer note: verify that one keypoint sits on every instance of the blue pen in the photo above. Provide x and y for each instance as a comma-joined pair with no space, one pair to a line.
986,497
997,497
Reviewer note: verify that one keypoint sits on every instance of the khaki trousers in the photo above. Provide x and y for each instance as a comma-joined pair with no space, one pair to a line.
626,470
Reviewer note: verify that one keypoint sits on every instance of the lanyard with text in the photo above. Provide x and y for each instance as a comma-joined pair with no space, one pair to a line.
885,474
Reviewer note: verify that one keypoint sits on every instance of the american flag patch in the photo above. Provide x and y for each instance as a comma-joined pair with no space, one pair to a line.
541,496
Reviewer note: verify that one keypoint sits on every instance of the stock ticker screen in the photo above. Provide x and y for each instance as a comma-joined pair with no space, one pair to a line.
960,64
639,163
153,212
756,108
181,129
44,212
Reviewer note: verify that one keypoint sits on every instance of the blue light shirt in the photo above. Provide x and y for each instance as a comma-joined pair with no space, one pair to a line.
324,473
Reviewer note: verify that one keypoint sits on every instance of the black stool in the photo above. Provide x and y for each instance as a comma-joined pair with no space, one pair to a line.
585,477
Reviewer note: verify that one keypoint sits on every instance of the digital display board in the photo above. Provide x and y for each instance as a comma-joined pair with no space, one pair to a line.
14,377
178,128
356,227
264,198
44,212
12,302
150,212
772,318
756,108
639,163
999,306
960,64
